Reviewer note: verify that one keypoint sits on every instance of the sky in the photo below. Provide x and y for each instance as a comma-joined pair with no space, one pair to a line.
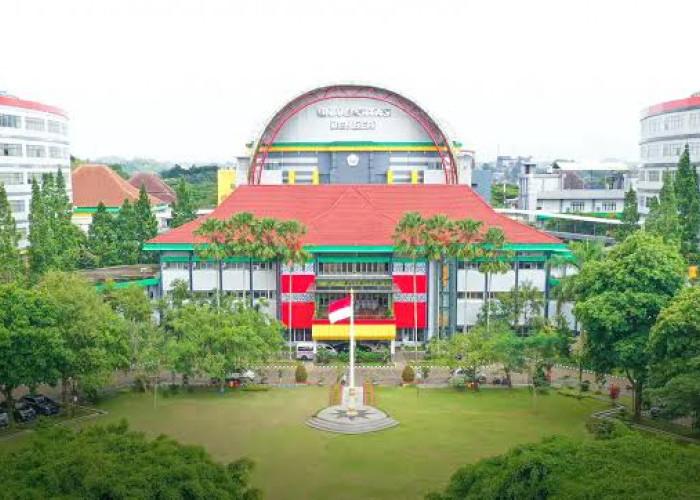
193,81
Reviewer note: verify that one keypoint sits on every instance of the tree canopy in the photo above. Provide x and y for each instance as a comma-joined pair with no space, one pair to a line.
630,215
114,462
11,265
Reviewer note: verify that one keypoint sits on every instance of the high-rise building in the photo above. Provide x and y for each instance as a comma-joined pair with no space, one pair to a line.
33,141
666,129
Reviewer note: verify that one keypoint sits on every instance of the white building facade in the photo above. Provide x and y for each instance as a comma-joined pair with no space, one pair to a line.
572,187
666,129
33,142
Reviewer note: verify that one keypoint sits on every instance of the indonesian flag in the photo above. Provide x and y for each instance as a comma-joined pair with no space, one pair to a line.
340,309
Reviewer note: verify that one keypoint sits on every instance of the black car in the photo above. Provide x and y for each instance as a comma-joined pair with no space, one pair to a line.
344,347
43,405
4,415
24,412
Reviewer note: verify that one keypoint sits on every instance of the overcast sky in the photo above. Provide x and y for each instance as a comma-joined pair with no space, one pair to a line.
195,80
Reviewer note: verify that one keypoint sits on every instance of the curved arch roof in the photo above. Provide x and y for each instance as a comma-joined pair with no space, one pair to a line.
353,91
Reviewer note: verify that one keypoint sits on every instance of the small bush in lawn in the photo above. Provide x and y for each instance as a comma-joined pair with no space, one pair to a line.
424,372
408,375
606,428
255,388
459,382
585,386
301,375
614,392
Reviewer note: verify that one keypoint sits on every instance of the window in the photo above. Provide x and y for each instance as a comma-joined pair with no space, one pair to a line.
182,266
36,151
654,176
367,268
10,150
11,121
54,127
673,149
673,123
36,124
694,120
11,178
64,129
17,206
531,265
55,152
206,266
577,206
609,206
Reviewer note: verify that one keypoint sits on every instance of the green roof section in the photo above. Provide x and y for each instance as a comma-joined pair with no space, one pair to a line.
123,284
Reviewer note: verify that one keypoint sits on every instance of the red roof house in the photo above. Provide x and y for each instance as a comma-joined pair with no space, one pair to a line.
154,185
93,184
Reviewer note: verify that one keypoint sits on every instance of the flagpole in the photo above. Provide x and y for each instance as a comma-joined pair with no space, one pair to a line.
352,338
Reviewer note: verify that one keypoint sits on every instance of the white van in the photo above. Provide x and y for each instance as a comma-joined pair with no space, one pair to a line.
305,351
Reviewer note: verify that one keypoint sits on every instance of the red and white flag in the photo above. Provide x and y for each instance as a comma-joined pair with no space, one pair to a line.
340,309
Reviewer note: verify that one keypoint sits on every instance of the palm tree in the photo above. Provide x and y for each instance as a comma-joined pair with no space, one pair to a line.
496,261
265,245
292,252
216,248
438,244
239,238
467,236
409,240
580,253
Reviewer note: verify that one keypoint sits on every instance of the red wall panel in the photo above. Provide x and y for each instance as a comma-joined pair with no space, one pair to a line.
403,312
405,282
302,314
300,282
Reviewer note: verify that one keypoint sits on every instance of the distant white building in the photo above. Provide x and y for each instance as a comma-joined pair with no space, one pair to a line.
573,187
666,129
33,141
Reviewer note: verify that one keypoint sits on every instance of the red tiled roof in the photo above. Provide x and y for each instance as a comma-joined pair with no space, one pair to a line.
154,185
93,184
358,215
9,100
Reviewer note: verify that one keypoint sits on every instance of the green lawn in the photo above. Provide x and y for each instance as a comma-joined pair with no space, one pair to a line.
439,430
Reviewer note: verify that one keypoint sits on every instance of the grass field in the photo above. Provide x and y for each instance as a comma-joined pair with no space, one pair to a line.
439,430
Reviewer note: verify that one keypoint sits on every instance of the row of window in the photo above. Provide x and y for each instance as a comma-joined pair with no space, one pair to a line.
474,266
326,268
673,149
34,124
17,178
479,295
33,151
213,266
670,123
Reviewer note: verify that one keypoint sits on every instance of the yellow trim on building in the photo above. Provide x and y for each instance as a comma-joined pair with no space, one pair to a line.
414,176
225,183
389,176
292,176
314,177
362,332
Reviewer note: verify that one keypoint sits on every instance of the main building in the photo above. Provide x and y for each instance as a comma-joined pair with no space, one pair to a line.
366,156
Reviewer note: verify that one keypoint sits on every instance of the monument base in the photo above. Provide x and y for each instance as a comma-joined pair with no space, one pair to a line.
353,398
343,420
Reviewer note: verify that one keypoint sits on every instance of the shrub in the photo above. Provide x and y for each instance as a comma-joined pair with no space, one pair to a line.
606,428
614,392
424,372
408,375
255,388
366,357
301,375
585,386
324,357
140,384
459,382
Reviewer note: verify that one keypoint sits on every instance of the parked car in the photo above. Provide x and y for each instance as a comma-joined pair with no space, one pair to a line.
241,375
305,351
344,347
326,347
24,412
459,372
43,405
4,415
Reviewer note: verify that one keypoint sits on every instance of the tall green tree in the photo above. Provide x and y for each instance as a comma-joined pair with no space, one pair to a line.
146,225
675,364
128,249
630,215
215,249
508,350
620,298
688,196
30,345
469,351
520,306
11,265
409,240
40,241
132,304
663,213
90,332
184,209
103,240
495,260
